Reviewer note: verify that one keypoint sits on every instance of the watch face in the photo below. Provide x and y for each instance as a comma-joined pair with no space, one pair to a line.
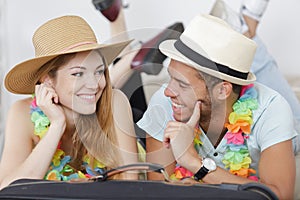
209,164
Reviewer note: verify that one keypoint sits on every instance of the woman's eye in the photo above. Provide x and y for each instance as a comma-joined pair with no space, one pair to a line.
100,72
77,74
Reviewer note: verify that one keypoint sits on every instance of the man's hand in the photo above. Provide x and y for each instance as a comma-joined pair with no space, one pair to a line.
179,136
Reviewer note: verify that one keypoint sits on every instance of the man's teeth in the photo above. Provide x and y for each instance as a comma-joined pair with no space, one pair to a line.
177,105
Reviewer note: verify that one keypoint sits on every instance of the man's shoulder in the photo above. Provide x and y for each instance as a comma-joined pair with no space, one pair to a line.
265,94
268,99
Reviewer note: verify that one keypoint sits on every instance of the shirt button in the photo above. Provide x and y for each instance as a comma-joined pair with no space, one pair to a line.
215,154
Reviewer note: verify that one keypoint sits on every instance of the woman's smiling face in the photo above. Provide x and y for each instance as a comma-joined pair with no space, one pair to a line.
79,83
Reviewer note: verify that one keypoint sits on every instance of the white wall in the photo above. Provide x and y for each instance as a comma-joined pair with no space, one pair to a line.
2,64
279,27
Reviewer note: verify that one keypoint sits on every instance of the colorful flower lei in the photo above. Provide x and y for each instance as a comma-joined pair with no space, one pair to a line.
236,158
59,168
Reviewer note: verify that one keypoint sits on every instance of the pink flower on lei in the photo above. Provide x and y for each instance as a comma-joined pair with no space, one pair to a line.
235,138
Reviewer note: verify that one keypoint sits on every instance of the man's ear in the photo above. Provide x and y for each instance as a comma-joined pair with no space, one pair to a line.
222,90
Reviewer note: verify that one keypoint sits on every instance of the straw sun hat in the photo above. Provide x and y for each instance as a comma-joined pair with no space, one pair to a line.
62,35
210,45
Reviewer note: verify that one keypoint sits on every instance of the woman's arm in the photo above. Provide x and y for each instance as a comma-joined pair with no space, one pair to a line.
20,159
124,126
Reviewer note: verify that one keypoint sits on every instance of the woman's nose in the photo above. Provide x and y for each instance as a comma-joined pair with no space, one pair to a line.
92,82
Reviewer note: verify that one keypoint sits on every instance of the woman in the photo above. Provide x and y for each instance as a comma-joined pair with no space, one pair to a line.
75,123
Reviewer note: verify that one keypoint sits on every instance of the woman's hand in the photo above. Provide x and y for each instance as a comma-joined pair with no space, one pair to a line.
179,137
48,102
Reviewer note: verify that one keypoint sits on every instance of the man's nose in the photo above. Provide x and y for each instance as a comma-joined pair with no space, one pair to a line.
170,91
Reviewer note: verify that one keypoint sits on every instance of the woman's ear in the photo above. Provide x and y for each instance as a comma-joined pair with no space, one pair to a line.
222,90
47,80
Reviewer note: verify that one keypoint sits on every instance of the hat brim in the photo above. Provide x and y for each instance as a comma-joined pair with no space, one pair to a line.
22,78
167,47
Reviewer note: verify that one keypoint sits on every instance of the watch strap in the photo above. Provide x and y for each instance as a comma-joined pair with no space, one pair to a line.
201,173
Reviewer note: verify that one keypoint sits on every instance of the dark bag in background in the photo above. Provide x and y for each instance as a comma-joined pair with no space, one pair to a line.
101,188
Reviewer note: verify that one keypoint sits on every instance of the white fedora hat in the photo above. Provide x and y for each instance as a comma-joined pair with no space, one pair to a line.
210,45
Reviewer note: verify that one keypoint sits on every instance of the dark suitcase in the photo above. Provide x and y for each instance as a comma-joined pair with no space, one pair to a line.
100,188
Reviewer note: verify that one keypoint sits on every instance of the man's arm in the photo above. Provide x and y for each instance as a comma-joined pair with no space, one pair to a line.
156,153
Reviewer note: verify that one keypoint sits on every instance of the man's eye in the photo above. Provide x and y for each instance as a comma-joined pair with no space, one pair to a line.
182,85
78,74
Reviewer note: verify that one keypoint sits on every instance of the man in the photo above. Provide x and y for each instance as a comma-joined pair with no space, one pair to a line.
211,122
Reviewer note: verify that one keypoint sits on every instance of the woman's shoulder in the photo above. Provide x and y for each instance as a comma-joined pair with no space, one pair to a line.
120,105
118,97
19,113
21,105
122,113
